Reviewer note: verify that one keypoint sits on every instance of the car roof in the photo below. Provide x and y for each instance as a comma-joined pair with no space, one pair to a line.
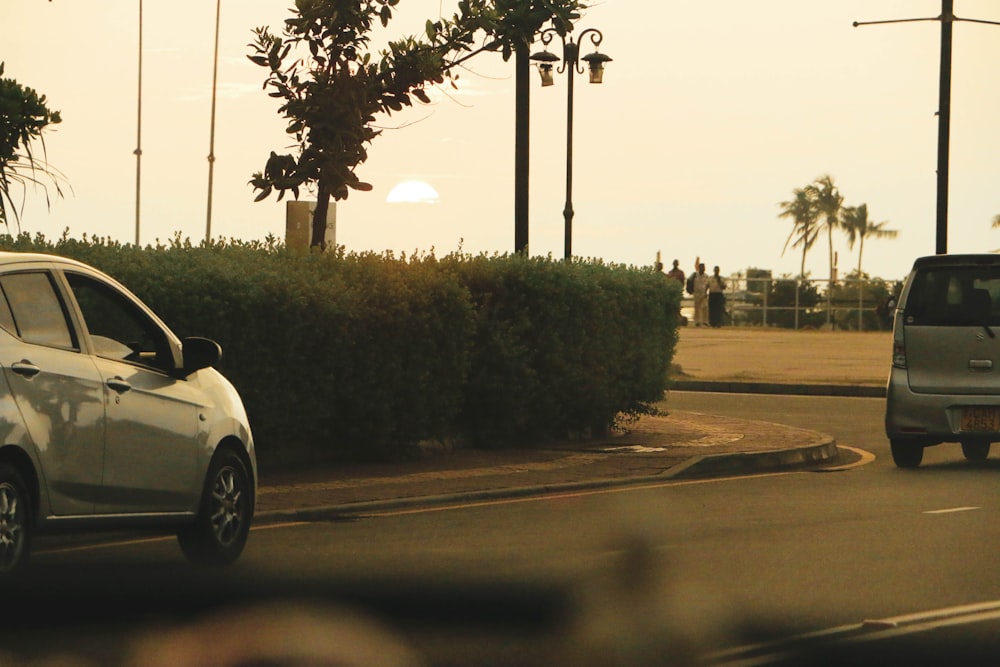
977,259
13,257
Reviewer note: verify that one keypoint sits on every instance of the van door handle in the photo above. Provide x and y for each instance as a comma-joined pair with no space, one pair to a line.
981,364
25,368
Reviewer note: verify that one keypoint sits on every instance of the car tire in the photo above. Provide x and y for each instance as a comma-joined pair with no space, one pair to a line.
220,531
15,520
977,450
906,454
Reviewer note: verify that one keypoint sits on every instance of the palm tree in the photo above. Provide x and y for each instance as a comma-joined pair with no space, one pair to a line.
828,202
802,210
857,226
804,216
24,117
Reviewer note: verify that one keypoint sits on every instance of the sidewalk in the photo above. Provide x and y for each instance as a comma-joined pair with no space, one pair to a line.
657,448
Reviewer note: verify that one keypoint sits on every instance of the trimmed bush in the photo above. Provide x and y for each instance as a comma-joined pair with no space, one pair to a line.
365,355
563,349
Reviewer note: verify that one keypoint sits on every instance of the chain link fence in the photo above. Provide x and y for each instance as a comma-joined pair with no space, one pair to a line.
850,303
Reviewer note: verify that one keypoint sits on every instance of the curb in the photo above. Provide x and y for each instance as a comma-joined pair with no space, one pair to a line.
695,467
861,391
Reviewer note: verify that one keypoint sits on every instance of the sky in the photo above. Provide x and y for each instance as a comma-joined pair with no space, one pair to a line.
711,113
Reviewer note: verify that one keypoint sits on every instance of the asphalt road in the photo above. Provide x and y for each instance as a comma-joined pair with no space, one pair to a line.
712,564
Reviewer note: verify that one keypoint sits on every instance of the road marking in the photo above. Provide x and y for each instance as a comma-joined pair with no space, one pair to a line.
865,457
151,540
765,653
951,510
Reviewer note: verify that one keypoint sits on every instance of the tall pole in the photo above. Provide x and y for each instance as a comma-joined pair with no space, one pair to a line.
211,134
138,141
947,19
522,88
570,52
944,126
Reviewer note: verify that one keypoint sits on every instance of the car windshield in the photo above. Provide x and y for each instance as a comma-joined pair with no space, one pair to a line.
954,295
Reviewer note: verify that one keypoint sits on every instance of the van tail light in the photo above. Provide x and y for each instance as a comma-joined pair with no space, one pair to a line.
898,354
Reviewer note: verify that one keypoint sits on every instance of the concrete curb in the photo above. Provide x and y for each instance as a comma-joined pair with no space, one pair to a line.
740,463
862,391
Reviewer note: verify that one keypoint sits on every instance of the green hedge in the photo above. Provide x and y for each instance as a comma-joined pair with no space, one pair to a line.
364,355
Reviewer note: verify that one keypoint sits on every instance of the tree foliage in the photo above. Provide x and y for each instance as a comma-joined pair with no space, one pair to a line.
802,211
24,115
820,205
332,86
858,227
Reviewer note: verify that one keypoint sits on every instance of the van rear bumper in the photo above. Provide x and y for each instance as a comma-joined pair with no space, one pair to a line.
931,418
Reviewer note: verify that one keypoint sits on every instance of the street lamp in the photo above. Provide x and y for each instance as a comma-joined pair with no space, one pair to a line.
947,19
570,63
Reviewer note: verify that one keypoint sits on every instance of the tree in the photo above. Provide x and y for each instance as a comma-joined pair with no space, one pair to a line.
828,202
23,117
996,221
857,226
859,288
802,210
332,87
787,298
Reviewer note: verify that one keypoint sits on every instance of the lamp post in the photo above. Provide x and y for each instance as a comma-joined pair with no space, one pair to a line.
570,64
947,19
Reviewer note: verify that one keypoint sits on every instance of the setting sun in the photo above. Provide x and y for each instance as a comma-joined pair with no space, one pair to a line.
413,192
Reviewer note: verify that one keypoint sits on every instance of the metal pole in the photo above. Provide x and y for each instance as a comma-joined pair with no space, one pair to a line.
570,51
522,110
947,19
211,134
861,302
138,141
944,126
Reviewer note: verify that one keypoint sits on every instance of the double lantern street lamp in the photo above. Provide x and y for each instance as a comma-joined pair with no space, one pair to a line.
570,63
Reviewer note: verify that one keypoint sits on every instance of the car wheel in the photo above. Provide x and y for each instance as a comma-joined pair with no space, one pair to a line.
906,454
15,520
977,450
219,533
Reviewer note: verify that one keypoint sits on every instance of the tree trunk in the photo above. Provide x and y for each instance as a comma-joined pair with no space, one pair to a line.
319,218
829,287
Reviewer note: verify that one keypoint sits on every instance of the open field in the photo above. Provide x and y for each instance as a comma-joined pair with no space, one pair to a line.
753,354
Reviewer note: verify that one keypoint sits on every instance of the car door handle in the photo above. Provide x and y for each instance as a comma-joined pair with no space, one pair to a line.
25,368
118,384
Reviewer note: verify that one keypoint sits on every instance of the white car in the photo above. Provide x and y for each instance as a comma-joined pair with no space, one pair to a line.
108,420
944,385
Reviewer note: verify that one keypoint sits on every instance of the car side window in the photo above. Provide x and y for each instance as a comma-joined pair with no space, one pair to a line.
6,317
37,311
119,329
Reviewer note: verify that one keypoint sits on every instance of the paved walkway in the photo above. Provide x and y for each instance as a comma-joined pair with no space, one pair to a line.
657,448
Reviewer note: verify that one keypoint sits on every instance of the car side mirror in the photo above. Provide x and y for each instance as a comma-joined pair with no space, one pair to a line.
199,353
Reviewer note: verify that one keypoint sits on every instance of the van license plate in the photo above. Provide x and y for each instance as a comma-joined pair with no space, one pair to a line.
981,419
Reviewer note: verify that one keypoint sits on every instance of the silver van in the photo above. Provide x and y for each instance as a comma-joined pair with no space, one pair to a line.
944,385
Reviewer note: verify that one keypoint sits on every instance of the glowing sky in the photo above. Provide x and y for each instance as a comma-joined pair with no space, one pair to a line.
711,113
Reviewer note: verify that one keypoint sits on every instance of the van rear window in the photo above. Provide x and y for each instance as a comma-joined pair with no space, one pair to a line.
960,295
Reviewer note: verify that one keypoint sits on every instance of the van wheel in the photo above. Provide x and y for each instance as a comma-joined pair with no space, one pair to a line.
977,450
906,454
15,520
219,533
